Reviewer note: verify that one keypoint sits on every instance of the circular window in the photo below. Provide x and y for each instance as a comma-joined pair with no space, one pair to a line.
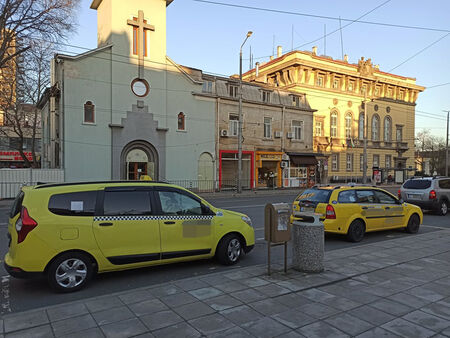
140,87
375,107
388,109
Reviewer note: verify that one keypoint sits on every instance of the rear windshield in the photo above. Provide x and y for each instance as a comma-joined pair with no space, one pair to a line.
314,195
417,184
17,205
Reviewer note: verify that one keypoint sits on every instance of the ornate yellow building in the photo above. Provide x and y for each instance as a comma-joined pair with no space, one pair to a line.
338,90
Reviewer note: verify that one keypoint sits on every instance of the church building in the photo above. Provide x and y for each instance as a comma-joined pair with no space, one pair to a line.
125,109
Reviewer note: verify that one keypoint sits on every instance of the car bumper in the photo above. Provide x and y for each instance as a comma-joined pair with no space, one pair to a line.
426,205
19,273
248,248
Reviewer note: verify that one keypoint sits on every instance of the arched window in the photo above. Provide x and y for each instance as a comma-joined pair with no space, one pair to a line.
333,123
375,128
361,126
89,112
348,125
387,129
181,121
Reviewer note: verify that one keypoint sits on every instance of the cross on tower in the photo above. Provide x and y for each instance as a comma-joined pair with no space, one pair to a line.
140,39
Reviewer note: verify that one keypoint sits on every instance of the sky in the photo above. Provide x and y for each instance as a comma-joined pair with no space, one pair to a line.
208,36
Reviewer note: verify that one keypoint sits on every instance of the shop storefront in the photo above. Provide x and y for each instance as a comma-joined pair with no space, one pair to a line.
228,169
13,159
299,170
268,169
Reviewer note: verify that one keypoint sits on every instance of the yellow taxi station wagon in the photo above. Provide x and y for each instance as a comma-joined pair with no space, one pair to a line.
71,231
355,210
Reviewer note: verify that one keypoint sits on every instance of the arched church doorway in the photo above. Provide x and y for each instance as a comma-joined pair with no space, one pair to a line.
205,172
139,158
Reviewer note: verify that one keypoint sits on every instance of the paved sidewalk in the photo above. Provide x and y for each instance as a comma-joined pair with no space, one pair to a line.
395,288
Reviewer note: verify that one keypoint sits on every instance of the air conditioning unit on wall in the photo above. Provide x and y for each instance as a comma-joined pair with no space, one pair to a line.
224,133
289,135
277,134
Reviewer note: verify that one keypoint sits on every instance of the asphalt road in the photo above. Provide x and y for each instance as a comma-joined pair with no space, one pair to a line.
20,295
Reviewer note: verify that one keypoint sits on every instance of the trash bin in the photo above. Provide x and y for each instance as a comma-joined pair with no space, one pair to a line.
307,242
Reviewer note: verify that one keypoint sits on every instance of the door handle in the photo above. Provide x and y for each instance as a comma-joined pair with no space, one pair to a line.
169,222
106,224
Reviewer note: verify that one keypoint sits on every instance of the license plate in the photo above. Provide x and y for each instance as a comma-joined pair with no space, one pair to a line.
414,196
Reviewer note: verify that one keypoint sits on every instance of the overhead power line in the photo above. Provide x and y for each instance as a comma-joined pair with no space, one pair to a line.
324,16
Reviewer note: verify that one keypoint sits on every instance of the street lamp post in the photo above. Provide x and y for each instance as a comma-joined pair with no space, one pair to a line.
239,180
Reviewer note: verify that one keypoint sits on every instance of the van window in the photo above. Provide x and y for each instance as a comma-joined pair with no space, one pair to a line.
73,204
121,203
174,203
417,184
17,205
444,184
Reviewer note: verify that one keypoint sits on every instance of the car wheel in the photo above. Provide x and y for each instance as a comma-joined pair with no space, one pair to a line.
413,224
356,231
70,272
443,208
229,250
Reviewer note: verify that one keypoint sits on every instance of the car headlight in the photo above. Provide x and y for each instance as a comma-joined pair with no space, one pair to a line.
247,220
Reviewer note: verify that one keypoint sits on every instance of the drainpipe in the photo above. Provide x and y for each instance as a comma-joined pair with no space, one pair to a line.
217,164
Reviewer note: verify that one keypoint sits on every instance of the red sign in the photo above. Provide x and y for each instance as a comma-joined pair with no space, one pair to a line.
14,156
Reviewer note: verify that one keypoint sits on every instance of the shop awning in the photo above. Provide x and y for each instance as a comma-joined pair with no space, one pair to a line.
302,159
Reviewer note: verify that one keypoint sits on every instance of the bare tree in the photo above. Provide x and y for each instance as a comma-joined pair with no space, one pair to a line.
28,20
21,86
429,146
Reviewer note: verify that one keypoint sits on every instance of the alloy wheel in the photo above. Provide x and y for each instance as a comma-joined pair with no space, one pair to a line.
71,273
234,249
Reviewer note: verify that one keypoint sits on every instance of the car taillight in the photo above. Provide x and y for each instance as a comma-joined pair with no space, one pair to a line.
24,225
399,194
330,214
432,195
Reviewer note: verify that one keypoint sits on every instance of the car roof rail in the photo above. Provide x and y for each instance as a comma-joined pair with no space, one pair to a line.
52,185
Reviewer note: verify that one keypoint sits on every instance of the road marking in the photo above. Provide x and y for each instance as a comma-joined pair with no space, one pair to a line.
6,305
246,206
434,226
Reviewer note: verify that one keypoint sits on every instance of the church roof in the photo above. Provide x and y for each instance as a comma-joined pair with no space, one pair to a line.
96,3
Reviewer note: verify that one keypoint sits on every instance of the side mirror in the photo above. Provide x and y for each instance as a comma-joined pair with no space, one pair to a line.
400,201
206,210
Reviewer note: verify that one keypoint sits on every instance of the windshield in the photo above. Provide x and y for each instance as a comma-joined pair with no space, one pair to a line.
314,196
417,184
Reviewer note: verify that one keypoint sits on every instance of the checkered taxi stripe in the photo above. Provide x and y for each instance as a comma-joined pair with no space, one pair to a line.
144,218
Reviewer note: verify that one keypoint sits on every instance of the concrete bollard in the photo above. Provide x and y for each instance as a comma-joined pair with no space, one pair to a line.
308,243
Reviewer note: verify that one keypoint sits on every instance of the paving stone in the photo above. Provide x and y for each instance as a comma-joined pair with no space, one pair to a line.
427,320
407,329
177,330
190,284
357,296
238,275
272,290
293,300
223,302
24,320
205,293
64,311
248,296
425,293
268,307
409,300
294,284
376,333
293,319
341,303
112,315
265,327
317,310
43,331
241,314
215,279
136,296
161,319
254,282
64,327
94,332
291,334
144,335
126,328
439,309
391,307
103,303
321,330
193,310
178,299
235,332
211,324
231,286
371,315
148,306
446,332
316,295
165,290
349,324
